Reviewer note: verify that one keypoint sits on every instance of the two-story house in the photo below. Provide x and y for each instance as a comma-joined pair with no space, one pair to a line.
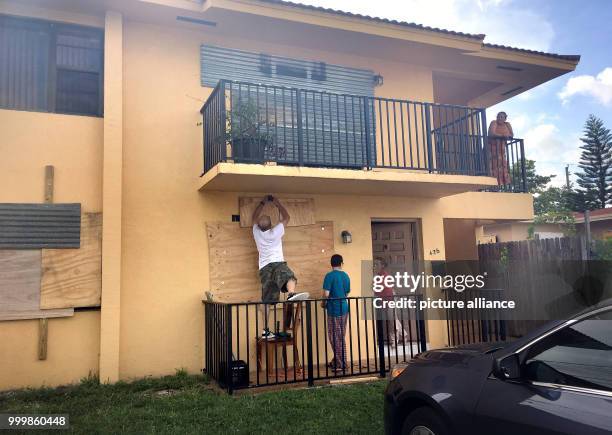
134,135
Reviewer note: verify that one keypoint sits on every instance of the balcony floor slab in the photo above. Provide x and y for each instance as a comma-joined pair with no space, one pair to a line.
241,177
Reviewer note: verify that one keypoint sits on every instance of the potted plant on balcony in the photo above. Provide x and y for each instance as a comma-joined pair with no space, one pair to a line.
247,134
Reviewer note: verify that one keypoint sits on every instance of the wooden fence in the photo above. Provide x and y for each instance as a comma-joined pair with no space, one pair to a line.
547,278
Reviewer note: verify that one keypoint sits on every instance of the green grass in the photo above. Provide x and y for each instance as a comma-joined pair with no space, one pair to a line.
189,404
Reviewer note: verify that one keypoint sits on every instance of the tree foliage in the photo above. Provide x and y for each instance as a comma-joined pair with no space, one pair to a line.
595,178
535,182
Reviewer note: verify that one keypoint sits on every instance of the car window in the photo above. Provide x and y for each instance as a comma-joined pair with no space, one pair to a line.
578,355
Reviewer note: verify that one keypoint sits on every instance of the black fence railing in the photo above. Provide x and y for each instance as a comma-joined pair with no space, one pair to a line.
309,345
515,155
469,326
255,123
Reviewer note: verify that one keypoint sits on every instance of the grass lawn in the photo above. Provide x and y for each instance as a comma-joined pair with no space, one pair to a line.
189,404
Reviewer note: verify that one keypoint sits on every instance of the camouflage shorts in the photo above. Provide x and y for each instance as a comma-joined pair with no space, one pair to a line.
274,278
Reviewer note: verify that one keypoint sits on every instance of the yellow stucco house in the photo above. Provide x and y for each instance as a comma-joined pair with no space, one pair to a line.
153,123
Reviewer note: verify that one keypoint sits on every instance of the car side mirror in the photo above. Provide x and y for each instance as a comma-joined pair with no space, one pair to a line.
507,367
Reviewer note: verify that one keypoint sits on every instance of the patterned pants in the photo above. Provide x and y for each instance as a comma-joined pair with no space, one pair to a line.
336,330
498,163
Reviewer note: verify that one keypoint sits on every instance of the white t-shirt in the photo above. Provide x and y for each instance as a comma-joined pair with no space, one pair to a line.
269,244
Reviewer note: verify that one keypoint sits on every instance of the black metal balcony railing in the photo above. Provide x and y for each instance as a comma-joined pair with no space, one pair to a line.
255,123
375,339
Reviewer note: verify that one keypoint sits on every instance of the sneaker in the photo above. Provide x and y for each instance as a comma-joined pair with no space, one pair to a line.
267,335
292,297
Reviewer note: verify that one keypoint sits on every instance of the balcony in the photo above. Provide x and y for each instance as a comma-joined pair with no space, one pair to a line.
364,144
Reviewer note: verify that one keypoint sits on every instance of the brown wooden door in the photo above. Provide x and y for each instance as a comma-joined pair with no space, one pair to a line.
396,243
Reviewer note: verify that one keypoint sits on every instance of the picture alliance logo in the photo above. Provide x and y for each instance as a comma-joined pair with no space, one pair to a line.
412,282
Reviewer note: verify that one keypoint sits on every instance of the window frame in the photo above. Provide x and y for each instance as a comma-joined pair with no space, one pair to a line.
54,28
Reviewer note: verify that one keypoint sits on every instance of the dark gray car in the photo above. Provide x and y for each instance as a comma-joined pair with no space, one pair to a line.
556,380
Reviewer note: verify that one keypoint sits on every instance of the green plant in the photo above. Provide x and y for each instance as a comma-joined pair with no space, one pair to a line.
91,380
595,180
602,249
530,232
564,218
245,129
181,373
504,255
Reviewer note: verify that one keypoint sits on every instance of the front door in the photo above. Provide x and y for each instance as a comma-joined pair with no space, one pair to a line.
396,243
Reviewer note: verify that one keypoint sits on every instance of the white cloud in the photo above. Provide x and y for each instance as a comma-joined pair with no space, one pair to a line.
551,150
503,22
598,87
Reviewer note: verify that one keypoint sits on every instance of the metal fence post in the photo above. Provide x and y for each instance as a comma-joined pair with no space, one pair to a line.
223,121
300,129
523,169
428,137
207,344
204,136
366,114
421,327
381,342
309,367
485,141
228,356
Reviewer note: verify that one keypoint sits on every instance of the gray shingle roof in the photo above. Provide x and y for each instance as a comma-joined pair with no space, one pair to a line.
572,57
376,19
479,37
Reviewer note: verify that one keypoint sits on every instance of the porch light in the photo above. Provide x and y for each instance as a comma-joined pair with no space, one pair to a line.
378,80
346,237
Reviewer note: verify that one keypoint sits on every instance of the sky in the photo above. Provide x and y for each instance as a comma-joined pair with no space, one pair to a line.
550,117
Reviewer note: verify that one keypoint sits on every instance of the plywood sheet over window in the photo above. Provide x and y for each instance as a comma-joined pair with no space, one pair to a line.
301,211
73,277
233,259
20,272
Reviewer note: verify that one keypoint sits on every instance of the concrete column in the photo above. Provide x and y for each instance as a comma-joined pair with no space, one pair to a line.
434,250
111,198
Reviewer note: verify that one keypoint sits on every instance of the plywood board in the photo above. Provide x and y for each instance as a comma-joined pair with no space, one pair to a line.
73,277
234,259
36,314
20,274
301,210
19,280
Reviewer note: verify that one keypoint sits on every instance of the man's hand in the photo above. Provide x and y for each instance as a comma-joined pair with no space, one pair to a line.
258,209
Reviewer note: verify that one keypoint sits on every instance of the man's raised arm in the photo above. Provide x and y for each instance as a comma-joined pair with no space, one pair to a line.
284,214
258,210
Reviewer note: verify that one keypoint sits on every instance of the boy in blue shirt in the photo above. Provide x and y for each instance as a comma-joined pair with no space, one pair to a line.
337,284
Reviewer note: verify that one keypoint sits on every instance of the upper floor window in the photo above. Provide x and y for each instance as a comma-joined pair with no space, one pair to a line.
51,67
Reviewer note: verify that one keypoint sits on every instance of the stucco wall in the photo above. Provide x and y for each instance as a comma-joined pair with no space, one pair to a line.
73,349
73,144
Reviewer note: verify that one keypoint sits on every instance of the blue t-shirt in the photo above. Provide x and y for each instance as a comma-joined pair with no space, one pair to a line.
338,284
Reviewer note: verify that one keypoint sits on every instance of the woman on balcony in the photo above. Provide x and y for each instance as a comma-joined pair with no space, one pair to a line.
500,131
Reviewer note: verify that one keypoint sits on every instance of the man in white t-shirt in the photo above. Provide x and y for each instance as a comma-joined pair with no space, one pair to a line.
275,275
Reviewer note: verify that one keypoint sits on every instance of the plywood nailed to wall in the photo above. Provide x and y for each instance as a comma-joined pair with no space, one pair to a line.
73,277
301,210
233,259
20,273
19,280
